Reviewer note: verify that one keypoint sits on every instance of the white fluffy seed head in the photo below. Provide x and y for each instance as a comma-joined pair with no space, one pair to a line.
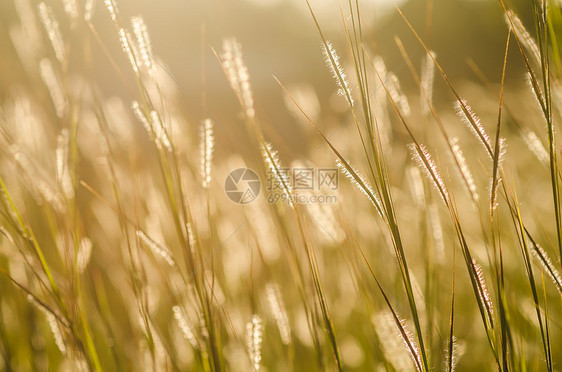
254,334
464,111
53,85
57,334
89,10
71,9
53,31
40,188
437,233
524,37
422,157
184,326
391,343
63,172
190,237
154,127
427,79
397,95
207,149
534,144
53,324
84,254
161,136
140,115
483,292
156,248
547,266
128,48
112,9
278,311
537,93
275,170
416,186
237,74
203,329
464,170
333,61
144,45
361,183
400,348
493,187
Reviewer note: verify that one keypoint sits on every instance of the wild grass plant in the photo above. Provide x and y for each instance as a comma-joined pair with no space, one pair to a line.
121,252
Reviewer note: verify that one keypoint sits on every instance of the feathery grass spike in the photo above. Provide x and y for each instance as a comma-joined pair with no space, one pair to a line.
84,254
237,74
359,181
426,163
89,10
397,95
427,81
112,9
280,177
162,139
184,326
473,122
416,186
526,39
333,62
128,48
463,167
254,334
53,31
53,86
207,148
392,343
483,292
534,144
156,248
53,324
279,312
547,266
144,44
494,192
71,9
63,172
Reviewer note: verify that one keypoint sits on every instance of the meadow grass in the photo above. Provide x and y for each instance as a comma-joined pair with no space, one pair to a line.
120,250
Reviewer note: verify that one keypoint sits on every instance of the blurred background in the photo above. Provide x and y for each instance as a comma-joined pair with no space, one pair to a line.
279,38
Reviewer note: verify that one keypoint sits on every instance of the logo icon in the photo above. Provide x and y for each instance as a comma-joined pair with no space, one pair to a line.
242,186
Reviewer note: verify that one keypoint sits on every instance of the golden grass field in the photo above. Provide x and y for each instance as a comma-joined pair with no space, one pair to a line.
289,185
